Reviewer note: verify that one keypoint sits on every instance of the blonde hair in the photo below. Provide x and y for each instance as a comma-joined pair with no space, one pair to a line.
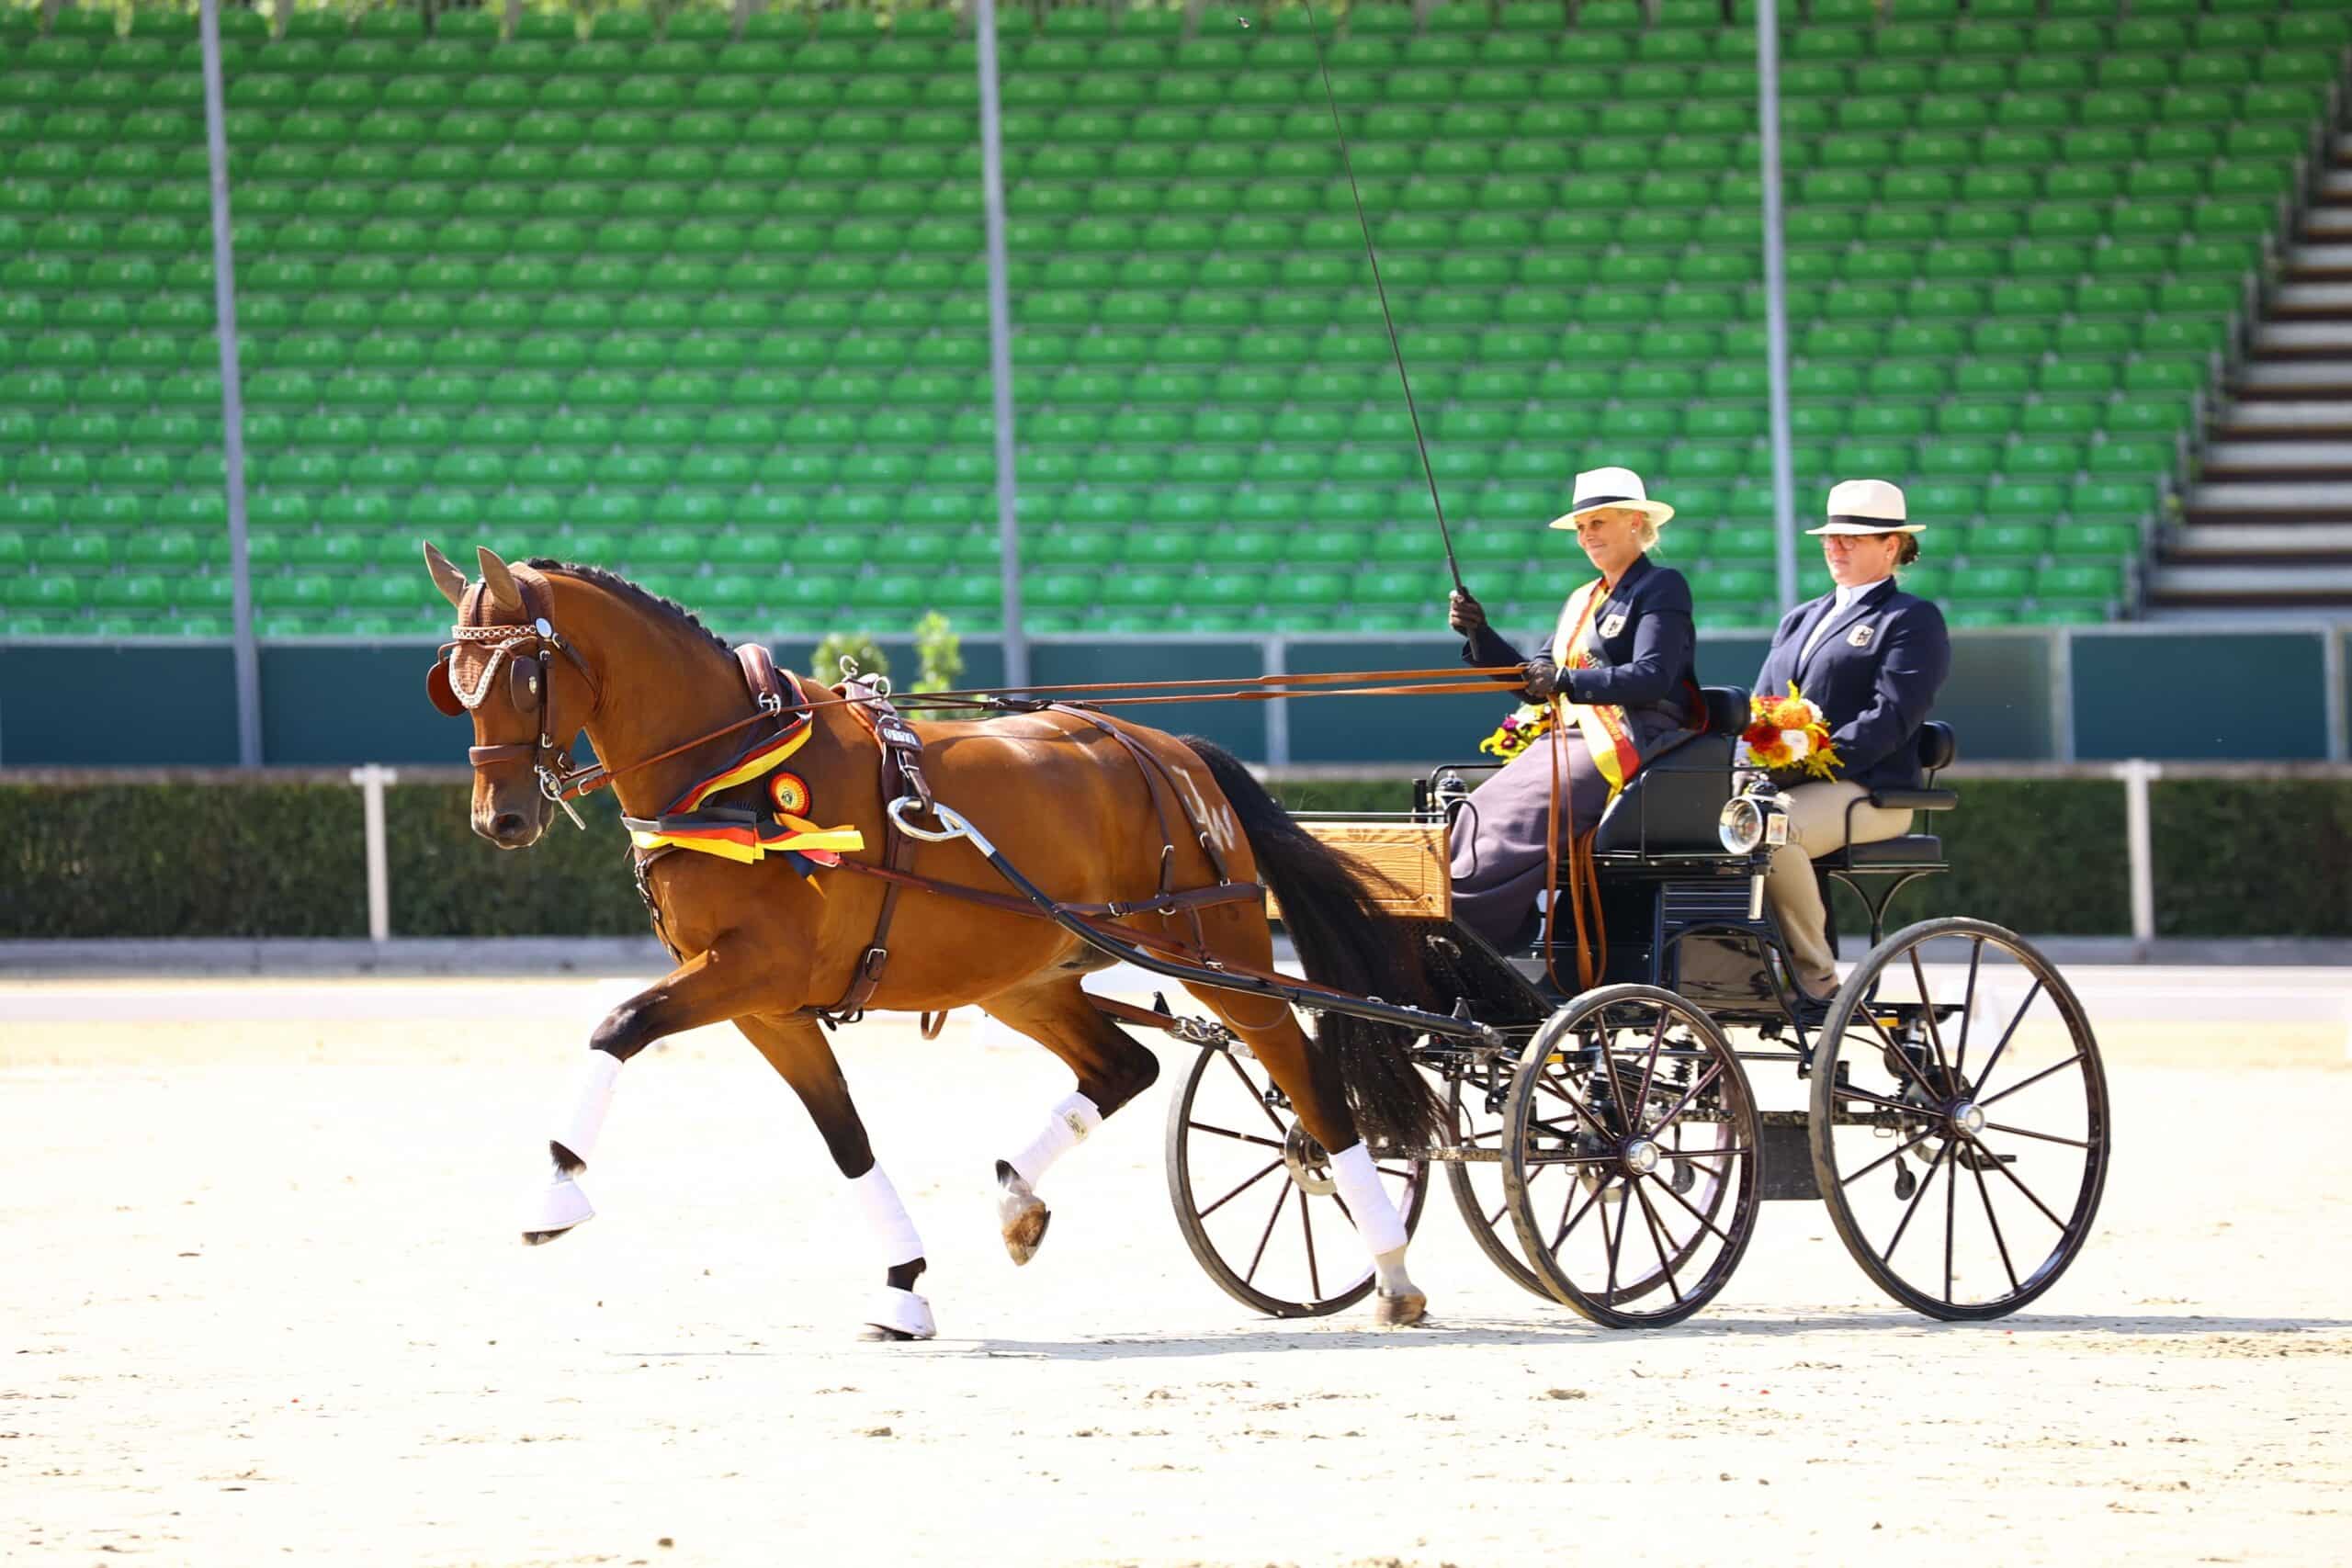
1645,532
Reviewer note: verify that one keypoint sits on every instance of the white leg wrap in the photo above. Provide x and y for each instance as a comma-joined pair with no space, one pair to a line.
580,1131
1368,1205
1072,1120
894,1231
902,1310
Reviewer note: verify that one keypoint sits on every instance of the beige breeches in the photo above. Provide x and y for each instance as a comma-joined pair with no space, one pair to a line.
1818,827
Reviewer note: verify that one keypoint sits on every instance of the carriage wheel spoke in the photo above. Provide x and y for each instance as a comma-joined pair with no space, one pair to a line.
1683,1104
1967,1010
1892,1154
1928,1011
1405,1176
1256,1097
2029,1083
2009,1033
1668,1188
1306,1224
2020,1186
1560,1088
1615,1242
1238,1137
1591,1200
1951,1195
1649,1069
1263,1171
1268,1235
1902,1057
1914,1207
1986,1197
1658,1242
2028,1132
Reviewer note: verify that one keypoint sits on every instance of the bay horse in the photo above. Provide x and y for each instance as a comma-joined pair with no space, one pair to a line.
546,649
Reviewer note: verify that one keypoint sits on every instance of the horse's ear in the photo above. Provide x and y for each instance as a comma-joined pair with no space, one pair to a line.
447,577
502,581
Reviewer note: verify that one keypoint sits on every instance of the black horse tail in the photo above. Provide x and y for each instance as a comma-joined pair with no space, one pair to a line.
1330,906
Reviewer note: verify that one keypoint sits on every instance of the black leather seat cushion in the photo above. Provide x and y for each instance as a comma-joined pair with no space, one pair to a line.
1911,849
1674,804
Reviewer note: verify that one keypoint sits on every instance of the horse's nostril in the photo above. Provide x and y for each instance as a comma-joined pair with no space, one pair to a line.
507,827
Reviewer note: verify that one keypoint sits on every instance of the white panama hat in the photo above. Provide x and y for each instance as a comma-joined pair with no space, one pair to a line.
1866,506
1599,487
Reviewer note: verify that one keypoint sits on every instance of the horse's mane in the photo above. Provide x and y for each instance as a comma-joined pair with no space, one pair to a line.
613,581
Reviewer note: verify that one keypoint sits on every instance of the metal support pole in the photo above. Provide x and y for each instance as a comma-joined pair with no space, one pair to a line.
2140,845
2061,693
1008,528
1775,296
233,412
1274,653
2330,663
371,780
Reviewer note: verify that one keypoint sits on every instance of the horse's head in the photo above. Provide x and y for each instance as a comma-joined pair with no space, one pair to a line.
500,667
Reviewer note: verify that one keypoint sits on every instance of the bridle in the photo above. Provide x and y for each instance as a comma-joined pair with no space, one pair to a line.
526,650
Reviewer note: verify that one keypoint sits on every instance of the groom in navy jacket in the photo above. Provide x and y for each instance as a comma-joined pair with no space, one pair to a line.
1872,658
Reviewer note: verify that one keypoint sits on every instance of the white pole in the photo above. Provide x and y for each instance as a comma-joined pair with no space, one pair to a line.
1007,530
371,780
2139,845
1274,654
1776,296
232,411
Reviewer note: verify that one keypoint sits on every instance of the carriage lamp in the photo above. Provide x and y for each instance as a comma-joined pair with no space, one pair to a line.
1752,820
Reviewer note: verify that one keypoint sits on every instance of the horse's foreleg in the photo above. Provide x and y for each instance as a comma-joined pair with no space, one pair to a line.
796,1048
1112,1069
710,988
1312,1082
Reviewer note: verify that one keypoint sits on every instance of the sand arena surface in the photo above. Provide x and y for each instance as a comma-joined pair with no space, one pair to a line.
262,1302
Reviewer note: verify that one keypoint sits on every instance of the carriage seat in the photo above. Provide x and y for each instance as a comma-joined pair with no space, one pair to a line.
1938,747
1675,804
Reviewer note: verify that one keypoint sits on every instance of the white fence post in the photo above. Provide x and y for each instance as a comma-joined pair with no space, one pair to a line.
371,780
2138,844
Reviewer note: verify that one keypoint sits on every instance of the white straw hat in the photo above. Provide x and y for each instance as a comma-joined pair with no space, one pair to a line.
1866,506
1599,487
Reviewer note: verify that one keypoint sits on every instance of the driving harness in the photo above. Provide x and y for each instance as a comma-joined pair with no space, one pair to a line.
461,679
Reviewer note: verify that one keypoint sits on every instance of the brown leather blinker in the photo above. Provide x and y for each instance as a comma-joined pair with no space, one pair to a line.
437,687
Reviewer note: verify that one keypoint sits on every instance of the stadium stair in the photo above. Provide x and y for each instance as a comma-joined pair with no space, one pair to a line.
2268,524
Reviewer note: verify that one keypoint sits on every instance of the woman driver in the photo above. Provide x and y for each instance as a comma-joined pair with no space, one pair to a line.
1872,658
1620,656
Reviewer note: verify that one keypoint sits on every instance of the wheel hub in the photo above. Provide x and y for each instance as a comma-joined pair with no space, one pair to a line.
1968,1117
1308,1164
1641,1156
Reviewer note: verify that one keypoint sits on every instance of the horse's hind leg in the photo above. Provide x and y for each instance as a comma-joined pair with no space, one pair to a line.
1312,1081
1112,1069
796,1048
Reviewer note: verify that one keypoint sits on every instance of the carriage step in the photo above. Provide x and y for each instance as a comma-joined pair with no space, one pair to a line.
1788,1157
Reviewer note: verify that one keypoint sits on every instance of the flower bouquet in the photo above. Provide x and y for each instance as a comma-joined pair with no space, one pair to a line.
1520,730
1786,735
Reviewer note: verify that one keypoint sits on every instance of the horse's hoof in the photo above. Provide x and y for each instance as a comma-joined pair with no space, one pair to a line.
894,1315
1024,1217
1026,1232
1399,1312
555,1209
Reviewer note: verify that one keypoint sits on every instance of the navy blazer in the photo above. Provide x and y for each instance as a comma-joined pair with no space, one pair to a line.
1642,649
1874,675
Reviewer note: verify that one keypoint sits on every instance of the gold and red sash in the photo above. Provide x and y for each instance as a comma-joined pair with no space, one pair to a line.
751,836
1602,725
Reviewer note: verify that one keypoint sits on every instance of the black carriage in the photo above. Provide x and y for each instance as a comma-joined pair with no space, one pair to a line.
1951,1093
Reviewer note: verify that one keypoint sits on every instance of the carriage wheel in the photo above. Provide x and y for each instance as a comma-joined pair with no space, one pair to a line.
1475,1102
1974,1128
1627,1104
1254,1195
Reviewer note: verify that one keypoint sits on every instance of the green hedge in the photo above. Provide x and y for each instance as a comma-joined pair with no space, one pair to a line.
2256,858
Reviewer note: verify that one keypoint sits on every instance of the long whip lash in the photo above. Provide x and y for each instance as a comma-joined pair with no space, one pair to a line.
1316,31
